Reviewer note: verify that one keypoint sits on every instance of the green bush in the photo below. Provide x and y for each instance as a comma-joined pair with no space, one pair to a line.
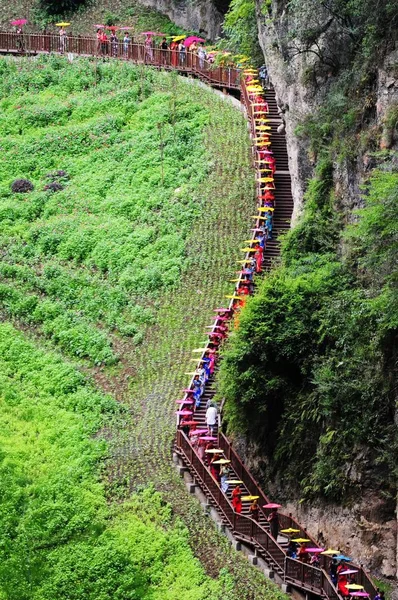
308,376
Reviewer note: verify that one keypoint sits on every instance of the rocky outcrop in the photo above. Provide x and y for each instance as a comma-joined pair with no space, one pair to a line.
203,16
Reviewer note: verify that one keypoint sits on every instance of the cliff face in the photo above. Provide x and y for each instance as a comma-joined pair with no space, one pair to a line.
365,529
203,16
300,92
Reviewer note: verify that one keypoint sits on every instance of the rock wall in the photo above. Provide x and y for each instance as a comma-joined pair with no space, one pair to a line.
203,16
365,530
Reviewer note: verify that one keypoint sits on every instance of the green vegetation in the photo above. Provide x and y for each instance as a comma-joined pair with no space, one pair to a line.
315,352
240,29
58,536
106,246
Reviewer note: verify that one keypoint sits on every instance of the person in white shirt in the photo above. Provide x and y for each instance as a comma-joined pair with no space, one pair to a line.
211,419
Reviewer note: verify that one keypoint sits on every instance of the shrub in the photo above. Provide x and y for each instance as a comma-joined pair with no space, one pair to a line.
22,186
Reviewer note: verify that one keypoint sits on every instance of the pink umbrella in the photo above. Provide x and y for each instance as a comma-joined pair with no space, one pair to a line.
19,22
188,391
184,401
198,431
360,594
315,550
125,28
193,38
183,412
99,26
348,572
222,310
272,505
208,438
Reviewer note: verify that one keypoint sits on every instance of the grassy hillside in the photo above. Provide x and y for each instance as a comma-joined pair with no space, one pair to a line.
111,281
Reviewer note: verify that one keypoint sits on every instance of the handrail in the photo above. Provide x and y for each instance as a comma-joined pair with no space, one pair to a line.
186,62
302,575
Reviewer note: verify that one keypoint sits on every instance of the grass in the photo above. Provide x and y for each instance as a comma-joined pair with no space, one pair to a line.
118,273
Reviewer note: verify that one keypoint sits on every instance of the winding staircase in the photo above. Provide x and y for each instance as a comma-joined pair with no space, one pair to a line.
314,581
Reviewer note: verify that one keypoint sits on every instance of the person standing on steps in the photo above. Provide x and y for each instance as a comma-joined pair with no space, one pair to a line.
114,44
164,49
254,510
211,419
237,499
182,52
62,40
273,520
126,45
197,386
333,571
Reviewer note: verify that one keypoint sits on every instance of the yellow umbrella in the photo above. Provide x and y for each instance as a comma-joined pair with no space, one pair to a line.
300,540
221,461
330,552
234,481
215,451
234,280
247,249
263,127
255,89
192,373
197,360
261,144
243,262
178,38
250,498
290,530
265,179
62,24
234,297
199,350
354,586
258,217
250,241
266,208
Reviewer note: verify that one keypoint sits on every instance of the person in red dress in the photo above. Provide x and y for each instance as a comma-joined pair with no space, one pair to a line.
237,499
259,258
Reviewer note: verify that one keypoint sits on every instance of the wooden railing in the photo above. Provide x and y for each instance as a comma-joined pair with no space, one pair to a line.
187,62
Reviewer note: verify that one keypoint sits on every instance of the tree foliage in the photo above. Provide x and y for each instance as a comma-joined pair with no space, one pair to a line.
311,373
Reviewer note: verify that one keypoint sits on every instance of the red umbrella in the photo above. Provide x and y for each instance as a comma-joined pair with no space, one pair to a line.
189,423
272,505
19,22
112,28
